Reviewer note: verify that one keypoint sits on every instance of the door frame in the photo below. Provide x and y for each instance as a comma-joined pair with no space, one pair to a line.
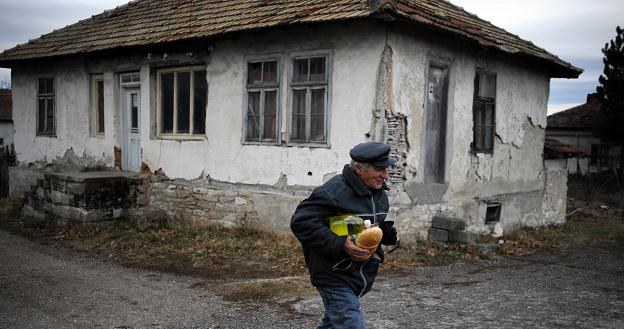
128,83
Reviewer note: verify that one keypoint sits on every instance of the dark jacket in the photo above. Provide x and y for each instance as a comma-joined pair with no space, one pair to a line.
327,261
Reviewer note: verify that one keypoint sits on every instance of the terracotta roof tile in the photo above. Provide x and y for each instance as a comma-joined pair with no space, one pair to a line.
554,149
146,22
584,116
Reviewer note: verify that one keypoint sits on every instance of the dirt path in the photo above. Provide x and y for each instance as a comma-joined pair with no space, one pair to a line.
48,287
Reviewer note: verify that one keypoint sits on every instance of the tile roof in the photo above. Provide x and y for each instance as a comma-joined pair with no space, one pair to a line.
554,149
149,22
584,116
6,104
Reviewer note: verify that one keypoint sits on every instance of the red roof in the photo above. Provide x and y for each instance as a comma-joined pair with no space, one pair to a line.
151,22
554,149
585,116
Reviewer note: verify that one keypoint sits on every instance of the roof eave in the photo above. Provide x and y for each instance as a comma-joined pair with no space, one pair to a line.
557,69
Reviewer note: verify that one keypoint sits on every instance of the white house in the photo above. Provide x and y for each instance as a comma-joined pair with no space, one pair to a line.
578,126
262,100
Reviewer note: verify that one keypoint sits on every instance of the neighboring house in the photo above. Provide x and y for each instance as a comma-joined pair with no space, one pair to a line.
578,127
246,105
6,119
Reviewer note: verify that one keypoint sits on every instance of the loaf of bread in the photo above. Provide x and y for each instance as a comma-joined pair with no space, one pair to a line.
369,238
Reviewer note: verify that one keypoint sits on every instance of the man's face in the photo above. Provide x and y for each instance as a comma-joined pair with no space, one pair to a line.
373,176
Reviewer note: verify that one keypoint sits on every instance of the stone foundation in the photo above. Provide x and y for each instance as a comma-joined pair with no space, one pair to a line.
87,197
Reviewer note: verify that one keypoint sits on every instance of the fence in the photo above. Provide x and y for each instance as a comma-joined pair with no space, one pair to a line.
7,158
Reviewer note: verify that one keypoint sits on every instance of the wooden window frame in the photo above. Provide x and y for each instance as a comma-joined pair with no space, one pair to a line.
481,105
159,124
262,87
49,97
309,86
97,113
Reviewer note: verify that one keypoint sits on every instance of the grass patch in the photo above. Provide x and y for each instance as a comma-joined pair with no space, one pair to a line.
275,289
209,251
591,226
422,253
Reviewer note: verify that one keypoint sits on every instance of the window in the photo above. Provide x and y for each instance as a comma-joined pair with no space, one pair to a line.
484,112
97,105
45,107
261,108
182,94
492,213
309,87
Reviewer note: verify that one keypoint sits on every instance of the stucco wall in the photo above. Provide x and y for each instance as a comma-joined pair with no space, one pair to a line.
72,114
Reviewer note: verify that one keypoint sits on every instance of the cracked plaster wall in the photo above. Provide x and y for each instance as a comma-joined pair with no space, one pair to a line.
513,174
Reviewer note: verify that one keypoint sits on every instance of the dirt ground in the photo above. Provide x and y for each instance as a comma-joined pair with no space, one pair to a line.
43,286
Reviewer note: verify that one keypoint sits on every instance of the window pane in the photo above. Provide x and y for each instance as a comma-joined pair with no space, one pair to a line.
41,109
45,86
134,110
300,70
317,69
254,72
270,71
487,85
489,114
317,106
298,116
317,115
199,102
166,108
100,105
253,116
49,116
299,100
489,138
270,111
478,139
478,114
184,102
317,128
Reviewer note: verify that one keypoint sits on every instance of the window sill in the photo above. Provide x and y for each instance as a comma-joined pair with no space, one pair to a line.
311,145
267,143
182,137
48,136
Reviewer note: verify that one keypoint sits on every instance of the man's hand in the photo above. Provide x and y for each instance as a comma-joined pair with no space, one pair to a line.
356,253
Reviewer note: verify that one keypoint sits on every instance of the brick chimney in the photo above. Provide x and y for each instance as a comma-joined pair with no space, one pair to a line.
592,98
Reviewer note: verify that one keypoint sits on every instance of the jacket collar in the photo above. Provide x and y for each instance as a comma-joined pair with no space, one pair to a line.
357,184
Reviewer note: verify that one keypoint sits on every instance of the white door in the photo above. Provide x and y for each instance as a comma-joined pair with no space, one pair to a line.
131,151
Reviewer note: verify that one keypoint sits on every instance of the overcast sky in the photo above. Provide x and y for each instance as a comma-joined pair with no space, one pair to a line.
574,30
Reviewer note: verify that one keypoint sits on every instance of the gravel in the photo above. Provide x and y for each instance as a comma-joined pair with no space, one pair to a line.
45,286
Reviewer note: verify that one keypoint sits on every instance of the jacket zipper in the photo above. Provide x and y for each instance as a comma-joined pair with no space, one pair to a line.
374,210
363,279
364,263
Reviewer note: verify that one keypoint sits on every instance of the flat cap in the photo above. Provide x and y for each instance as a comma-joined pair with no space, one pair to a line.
375,153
